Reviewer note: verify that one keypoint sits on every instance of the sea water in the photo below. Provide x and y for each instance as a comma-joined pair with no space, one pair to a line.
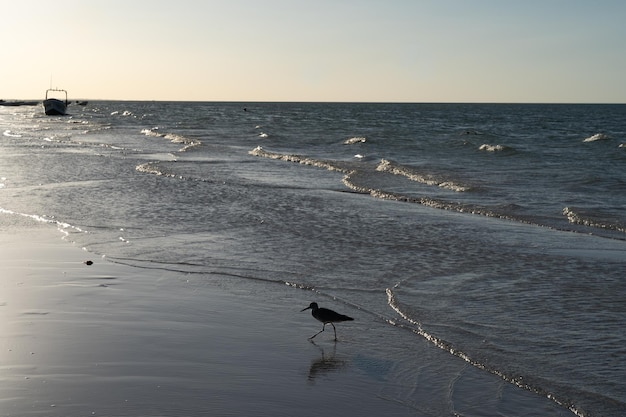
496,232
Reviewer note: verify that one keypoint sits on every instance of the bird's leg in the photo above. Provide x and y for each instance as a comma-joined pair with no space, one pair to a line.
335,331
323,326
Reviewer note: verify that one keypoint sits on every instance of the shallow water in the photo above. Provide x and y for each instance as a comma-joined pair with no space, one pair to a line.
496,232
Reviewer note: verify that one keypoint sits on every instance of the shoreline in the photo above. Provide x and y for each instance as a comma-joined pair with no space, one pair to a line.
109,339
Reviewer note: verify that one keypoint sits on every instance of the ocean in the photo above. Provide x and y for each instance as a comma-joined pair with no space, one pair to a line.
496,232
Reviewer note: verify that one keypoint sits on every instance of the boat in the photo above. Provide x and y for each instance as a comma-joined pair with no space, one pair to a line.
18,103
54,106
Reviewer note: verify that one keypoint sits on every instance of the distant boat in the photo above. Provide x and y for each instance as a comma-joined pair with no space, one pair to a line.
81,102
18,103
54,106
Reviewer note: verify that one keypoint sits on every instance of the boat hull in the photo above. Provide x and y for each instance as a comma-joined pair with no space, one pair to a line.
54,107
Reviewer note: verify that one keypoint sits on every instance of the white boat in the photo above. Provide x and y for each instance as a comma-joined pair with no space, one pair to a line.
54,106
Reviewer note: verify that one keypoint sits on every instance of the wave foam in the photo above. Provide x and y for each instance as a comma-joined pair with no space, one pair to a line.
493,148
10,134
357,179
392,168
152,132
125,113
416,327
356,139
63,227
151,168
172,137
259,151
596,137
575,216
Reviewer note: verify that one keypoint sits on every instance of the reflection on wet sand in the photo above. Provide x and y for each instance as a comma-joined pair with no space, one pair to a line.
327,363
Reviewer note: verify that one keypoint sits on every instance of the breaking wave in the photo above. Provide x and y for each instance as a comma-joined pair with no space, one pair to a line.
368,179
493,148
173,137
357,139
125,113
359,180
396,169
576,216
417,328
62,227
10,134
151,168
596,137
259,151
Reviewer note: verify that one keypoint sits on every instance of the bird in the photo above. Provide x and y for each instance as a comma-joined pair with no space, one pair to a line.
326,316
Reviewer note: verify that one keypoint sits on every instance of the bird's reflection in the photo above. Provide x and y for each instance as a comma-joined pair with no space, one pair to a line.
327,363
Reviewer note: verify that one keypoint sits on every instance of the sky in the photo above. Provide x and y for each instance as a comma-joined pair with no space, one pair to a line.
563,51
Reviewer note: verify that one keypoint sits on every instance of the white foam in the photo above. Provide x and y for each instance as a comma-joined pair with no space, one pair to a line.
596,137
61,226
10,134
576,217
492,148
125,113
149,168
152,132
172,137
352,141
392,168
259,151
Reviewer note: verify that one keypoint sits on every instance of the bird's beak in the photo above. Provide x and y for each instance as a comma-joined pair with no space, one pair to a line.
305,309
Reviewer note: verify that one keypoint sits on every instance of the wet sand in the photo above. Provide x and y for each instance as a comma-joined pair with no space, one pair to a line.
108,339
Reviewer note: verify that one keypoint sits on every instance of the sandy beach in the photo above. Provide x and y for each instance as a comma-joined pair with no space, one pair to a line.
108,339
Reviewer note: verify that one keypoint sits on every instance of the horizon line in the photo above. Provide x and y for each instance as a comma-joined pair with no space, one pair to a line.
332,101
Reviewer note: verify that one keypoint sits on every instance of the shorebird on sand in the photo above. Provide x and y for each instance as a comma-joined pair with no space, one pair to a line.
326,316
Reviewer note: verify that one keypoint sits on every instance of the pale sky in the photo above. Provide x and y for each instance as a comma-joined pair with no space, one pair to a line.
569,51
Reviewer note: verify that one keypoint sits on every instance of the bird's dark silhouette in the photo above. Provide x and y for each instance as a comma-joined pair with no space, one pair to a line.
326,316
